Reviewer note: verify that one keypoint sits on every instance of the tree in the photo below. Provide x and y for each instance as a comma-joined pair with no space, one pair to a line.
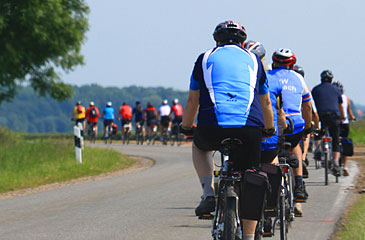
39,38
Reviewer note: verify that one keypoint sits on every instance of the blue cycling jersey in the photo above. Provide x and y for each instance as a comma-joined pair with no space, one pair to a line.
275,88
294,93
108,113
327,98
229,79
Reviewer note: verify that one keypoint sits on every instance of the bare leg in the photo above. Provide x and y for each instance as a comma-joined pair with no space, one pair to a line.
249,226
203,164
298,152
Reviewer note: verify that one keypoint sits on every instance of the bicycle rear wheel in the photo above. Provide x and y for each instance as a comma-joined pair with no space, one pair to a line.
326,158
283,220
230,225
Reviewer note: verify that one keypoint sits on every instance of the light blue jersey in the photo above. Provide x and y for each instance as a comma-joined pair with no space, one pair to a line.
294,93
108,113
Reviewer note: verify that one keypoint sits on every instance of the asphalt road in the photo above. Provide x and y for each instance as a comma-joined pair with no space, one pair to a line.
156,203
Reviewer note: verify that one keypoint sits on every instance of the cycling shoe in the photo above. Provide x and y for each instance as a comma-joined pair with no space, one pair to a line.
336,170
206,206
299,193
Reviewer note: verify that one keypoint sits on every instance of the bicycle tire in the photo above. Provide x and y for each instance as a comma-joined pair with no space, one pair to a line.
229,219
326,157
283,220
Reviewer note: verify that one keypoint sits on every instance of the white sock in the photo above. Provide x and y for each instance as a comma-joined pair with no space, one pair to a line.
248,237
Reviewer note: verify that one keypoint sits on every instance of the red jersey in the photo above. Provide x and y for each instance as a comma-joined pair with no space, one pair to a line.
89,116
126,111
177,109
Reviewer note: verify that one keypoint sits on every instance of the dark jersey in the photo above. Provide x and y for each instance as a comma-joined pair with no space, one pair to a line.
327,98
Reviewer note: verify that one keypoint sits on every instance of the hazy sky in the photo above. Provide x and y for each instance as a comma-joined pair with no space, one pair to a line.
155,43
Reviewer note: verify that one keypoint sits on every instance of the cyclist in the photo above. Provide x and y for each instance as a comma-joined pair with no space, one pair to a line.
79,113
177,110
125,115
229,91
151,117
345,123
108,115
296,105
328,99
163,113
138,117
92,115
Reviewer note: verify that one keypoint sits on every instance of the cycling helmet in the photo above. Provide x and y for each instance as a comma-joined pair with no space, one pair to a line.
164,102
175,101
78,103
91,103
255,47
229,32
138,102
284,58
326,76
109,104
299,70
339,85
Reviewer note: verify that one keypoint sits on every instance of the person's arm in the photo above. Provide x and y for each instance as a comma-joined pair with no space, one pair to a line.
267,110
191,108
349,111
73,114
307,114
119,114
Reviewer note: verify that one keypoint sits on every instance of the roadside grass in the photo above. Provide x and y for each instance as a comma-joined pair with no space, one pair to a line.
357,132
30,160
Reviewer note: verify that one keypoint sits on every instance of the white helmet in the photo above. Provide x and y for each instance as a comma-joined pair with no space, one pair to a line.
164,102
109,104
175,101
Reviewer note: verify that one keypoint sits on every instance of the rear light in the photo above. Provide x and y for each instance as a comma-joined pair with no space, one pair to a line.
284,169
216,173
327,139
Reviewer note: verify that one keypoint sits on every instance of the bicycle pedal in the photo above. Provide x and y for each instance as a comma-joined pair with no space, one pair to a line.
206,217
300,200
305,176
267,234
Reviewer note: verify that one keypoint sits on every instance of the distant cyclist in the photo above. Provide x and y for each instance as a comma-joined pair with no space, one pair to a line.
125,115
78,114
229,91
108,115
296,105
177,111
151,118
345,123
92,115
328,99
163,113
139,118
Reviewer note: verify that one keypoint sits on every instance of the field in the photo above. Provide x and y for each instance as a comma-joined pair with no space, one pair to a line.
30,160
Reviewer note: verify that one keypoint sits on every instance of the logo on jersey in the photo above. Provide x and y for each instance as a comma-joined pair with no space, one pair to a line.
232,98
287,87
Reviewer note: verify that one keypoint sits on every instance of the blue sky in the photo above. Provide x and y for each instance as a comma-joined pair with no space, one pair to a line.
155,43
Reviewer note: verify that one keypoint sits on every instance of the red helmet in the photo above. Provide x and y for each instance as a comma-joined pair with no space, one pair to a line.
284,58
229,32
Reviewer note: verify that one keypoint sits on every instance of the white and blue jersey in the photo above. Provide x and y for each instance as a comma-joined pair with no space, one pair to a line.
294,93
275,88
230,80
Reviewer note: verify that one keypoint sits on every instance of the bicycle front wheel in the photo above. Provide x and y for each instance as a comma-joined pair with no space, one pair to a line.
229,231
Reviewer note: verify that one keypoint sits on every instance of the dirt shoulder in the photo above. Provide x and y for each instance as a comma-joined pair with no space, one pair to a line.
141,164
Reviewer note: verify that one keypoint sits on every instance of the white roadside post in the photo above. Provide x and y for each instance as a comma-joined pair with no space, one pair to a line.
82,132
78,150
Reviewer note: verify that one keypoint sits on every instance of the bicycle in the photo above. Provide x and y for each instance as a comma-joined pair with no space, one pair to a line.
108,134
126,134
175,135
327,153
92,132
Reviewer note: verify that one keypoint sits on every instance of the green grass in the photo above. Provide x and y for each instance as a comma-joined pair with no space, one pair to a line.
30,160
357,132
355,222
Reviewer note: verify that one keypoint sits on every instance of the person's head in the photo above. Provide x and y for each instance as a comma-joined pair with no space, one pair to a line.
109,104
299,70
149,104
326,76
229,32
339,85
138,102
175,101
255,47
283,58
78,103
91,104
124,103
164,102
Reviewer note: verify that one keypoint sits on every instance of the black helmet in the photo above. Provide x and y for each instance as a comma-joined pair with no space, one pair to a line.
299,70
326,76
255,47
229,32
339,85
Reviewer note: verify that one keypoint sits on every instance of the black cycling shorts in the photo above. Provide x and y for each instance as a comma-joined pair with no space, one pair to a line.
331,121
245,157
294,139
92,124
125,121
177,119
344,130
80,120
267,156
107,122
151,122
165,121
